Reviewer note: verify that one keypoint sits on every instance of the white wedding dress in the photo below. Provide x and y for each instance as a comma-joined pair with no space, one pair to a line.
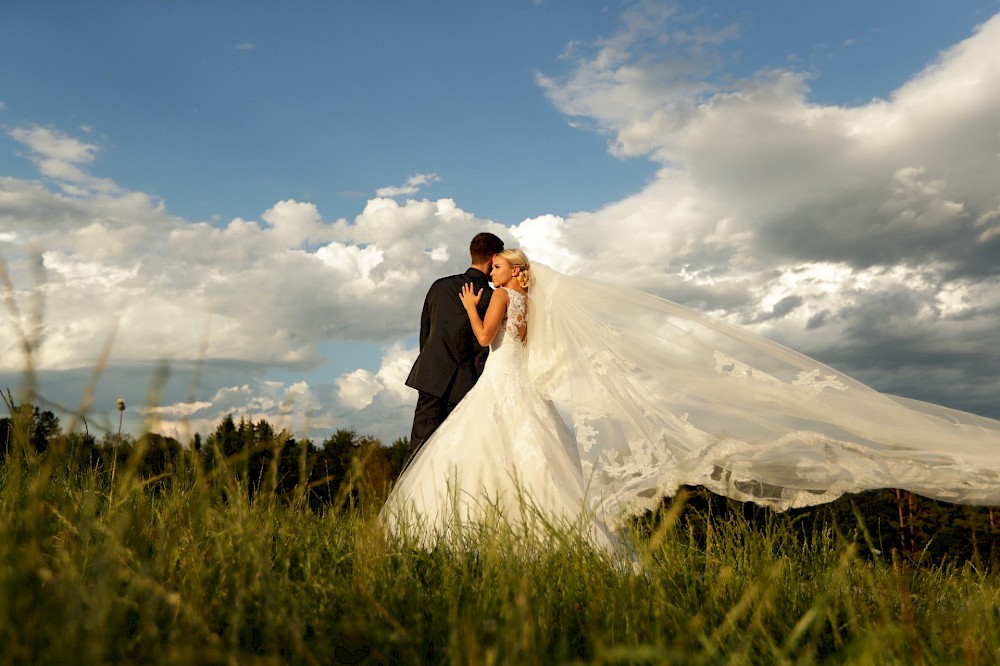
619,397
503,454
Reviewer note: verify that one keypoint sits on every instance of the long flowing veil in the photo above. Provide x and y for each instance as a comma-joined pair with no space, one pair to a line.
658,395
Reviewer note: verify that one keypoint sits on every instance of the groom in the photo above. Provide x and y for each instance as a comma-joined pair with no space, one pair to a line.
450,359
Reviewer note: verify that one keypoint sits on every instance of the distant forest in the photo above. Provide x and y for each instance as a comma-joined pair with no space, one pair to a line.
348,470
337,471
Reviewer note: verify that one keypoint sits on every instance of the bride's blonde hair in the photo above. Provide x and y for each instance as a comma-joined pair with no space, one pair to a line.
517,258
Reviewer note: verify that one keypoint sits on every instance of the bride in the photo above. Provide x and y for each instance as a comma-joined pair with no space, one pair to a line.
503,453
598,400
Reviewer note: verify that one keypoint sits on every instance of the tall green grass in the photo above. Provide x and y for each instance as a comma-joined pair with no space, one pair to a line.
192,571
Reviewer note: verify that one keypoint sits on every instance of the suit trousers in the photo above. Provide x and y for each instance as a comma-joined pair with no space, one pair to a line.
431,411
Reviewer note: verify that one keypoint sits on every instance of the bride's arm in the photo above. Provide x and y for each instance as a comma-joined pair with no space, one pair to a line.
487,327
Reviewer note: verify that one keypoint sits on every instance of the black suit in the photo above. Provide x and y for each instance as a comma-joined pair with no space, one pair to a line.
450,359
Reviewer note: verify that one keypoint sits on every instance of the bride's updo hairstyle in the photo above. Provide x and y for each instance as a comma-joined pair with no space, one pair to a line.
517,258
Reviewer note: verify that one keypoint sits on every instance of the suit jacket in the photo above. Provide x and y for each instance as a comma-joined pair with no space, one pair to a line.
450,359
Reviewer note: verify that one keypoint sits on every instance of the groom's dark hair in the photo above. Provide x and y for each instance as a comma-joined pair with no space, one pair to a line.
484,246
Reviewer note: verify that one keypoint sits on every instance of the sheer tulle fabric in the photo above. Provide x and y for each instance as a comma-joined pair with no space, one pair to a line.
657,395
619,397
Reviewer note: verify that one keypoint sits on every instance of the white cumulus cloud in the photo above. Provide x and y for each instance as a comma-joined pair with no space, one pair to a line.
866,235
412,186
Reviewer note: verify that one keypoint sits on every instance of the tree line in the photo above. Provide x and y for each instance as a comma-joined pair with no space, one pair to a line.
341,470
347,470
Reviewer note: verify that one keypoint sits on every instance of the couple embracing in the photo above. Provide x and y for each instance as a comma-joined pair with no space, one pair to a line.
450,359
658,396
486,444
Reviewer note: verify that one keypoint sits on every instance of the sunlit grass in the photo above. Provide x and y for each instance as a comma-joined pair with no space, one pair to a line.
195,572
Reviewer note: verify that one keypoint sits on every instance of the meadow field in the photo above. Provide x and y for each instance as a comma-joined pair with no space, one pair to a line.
195,565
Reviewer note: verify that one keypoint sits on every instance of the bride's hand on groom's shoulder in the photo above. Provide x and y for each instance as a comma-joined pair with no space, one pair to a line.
470,297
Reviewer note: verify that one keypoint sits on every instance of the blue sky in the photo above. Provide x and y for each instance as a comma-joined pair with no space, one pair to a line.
224,108
264,190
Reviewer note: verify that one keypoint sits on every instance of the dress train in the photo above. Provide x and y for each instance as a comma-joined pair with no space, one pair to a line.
619,397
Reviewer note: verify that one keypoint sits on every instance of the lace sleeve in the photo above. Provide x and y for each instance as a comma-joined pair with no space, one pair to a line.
516,321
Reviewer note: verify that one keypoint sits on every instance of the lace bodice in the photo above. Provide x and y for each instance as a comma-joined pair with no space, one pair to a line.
514,320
